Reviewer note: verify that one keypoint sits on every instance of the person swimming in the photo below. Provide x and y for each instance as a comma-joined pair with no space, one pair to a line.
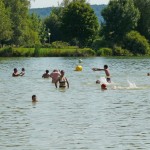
103,87
98,82
63,82
15,73
46,74
34,99
22,72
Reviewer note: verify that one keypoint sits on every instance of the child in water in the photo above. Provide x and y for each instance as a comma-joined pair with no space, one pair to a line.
106,72
22,72
34,98
103,87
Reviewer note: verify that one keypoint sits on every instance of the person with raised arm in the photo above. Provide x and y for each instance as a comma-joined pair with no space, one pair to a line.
107,72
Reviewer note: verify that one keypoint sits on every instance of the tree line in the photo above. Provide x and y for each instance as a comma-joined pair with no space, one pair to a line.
124,31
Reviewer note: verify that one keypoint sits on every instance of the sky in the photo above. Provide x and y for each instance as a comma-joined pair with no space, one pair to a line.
50,3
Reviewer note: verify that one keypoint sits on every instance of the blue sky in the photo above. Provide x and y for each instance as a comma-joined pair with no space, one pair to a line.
50,3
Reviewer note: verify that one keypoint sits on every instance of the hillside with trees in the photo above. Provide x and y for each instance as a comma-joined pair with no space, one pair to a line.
122,28
45,12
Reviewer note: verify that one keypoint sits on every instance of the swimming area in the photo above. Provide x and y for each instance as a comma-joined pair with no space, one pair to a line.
81,117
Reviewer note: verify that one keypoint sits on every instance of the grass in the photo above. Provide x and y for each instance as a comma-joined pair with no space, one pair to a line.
46,52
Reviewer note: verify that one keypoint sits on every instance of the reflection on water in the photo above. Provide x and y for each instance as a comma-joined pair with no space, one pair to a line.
81,117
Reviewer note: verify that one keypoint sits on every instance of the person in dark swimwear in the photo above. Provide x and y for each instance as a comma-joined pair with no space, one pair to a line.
62,80
106,72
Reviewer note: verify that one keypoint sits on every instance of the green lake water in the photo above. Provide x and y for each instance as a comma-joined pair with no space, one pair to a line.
82,117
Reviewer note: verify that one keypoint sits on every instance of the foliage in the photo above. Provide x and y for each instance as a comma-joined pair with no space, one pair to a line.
136,43
7,51
53,23
59,44
144,21
19,18
5,24
39,28
45,12
104,52
120,17
119,51
46,52
99,43
79,22
17,27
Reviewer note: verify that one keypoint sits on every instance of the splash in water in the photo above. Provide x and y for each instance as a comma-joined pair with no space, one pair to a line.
103,80
131,85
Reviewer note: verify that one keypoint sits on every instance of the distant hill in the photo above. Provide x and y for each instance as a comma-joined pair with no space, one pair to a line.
44,12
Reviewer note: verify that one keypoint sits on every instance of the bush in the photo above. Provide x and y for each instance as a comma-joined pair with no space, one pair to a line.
6,52
59,44
37,50
119,51
104,52
99,43
136,43
46,52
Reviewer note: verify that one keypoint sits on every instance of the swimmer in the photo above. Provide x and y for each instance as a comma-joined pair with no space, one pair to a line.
22,72
46,74
148,74
34,98
97,82
15,73
63,82
107,72
103,87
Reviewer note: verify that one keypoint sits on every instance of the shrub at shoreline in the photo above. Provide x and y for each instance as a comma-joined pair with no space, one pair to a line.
46,52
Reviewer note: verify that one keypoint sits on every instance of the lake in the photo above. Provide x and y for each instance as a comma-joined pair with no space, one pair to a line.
82,117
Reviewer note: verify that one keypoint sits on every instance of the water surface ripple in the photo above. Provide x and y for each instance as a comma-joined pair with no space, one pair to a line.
79,118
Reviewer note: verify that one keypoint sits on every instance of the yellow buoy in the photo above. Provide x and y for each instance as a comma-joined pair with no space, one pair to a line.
78,68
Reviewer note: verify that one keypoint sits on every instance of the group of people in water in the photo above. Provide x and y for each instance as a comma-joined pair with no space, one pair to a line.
58,77
16,74
108,77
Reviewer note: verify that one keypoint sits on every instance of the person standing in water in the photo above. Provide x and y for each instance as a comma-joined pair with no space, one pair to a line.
63,82
107,72
46,74
55,75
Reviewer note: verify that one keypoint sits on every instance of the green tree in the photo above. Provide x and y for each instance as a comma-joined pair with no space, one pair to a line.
53,23
136,43
121,16
5,24
144,21
19,18
38,26
79,23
